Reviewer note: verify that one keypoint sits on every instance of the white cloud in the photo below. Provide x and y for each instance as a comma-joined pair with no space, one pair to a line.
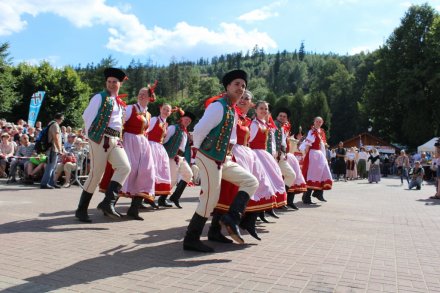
365,48
126,33
53,60
262,13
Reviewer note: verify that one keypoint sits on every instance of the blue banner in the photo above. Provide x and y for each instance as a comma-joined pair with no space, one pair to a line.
34,108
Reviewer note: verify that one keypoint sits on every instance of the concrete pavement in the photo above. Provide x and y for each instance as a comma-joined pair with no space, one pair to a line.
366,238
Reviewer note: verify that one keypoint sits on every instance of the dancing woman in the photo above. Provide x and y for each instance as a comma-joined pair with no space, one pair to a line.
315,169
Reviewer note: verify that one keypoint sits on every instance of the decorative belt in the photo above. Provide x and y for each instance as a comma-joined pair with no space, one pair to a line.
112,132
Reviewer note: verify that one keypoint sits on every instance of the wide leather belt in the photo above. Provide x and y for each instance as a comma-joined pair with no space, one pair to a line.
111,132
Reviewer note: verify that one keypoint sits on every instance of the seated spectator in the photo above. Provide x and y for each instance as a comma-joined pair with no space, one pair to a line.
417,176
31,134
68,162
35,167
24,152
68,144
6,153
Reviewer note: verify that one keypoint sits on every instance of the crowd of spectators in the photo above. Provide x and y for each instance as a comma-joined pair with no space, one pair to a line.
353,164
20,162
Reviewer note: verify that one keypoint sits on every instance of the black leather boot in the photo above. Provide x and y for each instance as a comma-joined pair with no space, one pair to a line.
81,212
262,217
193,232
231,220
150,202
215,230
107,206
178,193
248,223
133,211
272,214
319,194
290,198
163,202
306,198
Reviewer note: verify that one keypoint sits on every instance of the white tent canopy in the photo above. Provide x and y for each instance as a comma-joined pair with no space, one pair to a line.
427,146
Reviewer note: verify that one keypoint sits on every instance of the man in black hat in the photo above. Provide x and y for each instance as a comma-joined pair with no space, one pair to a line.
103,122
212,137
290,168
175,143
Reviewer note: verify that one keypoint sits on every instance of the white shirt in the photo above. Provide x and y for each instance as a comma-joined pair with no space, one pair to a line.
170,132
211,118
92,110
363,156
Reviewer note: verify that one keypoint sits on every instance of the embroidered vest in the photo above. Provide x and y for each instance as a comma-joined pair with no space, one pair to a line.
158,132
269,141
216,143
278,135
96,130
172,145
138,121
188,152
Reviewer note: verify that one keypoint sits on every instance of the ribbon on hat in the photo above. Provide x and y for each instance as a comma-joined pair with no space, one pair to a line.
151,91
287,126
271,123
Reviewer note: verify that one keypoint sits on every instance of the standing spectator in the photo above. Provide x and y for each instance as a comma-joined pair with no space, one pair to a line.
38,126
54,137
402,163
340,161
417,176
374,163
351,164
385,165
437,158
6,153
31,133
362,163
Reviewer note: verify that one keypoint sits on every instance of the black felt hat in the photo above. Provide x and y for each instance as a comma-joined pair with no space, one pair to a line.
234,74
283,110
116,73
189,115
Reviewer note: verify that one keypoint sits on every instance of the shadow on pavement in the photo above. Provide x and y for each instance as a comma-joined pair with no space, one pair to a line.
117,262
430,201
37,225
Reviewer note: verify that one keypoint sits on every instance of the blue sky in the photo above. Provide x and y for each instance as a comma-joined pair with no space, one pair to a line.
66,32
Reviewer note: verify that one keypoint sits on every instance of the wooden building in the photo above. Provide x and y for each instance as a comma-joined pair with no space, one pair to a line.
368,141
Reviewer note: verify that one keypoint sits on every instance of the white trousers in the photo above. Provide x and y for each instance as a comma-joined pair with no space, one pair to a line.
211,176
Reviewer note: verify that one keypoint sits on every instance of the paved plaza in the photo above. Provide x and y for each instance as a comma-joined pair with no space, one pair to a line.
366,238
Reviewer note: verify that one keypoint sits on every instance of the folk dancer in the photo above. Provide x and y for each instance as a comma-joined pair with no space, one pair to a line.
212,136
156,134
281,139
315,169
140,183
262,142
175,144
103,120
245,157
